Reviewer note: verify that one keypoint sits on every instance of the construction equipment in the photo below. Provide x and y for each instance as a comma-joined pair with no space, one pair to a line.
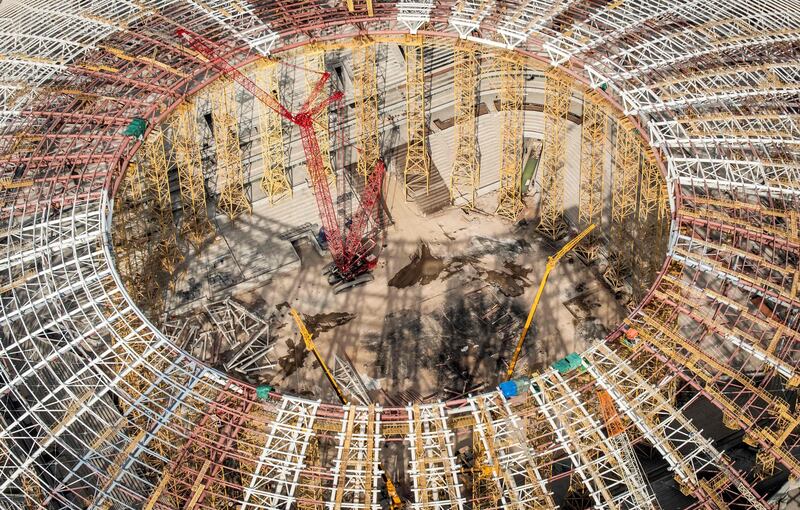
310,346
614,425
352,260
551,263
396,503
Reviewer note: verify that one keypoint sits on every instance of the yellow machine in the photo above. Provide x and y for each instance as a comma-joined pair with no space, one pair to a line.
313,348
551,263
396,501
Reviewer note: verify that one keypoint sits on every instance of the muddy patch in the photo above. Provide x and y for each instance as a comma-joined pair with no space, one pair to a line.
423,269
507,284
323,322
295,359
516,270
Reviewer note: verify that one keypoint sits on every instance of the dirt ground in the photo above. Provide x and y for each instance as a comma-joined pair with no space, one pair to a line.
450,296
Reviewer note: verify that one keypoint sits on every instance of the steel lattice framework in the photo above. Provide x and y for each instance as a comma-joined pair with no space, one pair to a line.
100,410
557,95
593,158
417,162
232,199
512,90
275,182
365,83
158,179
186,147
465,175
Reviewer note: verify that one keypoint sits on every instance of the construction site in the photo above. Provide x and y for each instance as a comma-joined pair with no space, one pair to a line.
406,254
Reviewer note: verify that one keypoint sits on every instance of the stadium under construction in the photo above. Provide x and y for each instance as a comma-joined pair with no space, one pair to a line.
399,254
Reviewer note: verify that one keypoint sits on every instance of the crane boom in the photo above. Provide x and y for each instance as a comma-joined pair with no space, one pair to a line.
551,263
346,254
322,194
391,489
610,415
310,346
212,52
304,119
368,200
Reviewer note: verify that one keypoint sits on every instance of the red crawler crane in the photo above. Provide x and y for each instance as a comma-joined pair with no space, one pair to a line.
352,260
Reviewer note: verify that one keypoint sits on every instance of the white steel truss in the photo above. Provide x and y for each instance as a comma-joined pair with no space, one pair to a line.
728,173
508,454
467,15
529,18
356,468
239,19
612,21
346,375
414,13
610,477
755,28
730,132
234,321
434,472
275,477
681,444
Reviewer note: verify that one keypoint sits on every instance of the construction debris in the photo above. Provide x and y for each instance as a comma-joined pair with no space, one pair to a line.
226,335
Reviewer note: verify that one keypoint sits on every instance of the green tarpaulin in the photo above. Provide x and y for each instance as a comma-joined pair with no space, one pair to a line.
568,364
136,128
527,173
263,391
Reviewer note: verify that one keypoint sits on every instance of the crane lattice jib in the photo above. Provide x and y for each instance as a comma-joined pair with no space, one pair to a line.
212,53
368,200
304,119
322,194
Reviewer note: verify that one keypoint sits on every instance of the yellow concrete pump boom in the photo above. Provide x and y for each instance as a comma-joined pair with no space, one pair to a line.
396,501
551,263
313,348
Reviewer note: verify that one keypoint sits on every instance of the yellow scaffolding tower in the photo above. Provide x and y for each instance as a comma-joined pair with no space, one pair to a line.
417,164
646,262
32,486
485,492
512,90
593,144
232,198
626,173
310,491
650,187
465,176
366,102
557,93
275,182
158,177
196,226
315,61
625,177
133,246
